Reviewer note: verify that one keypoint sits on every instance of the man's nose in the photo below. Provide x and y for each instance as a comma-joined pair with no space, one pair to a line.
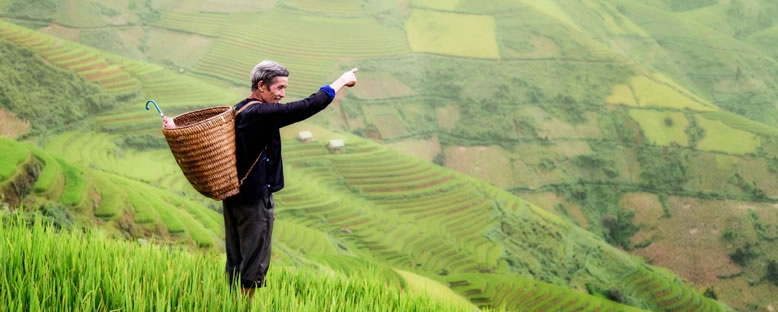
283,92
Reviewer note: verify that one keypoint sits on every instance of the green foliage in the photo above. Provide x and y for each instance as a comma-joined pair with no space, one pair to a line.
710,292
772,272
694,131
620,227
662,169
48,96
743,255
32,8
750,189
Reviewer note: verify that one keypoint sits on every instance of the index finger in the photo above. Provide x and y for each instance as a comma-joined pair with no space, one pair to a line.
355,70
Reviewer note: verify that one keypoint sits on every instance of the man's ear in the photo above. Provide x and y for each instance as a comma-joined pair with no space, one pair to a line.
261,86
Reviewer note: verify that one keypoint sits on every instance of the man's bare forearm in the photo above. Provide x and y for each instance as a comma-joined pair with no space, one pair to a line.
348,79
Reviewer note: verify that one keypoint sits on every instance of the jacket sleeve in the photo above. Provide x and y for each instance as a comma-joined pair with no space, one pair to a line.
281,115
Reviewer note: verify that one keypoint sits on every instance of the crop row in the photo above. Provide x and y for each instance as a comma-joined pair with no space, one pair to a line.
88,63
514,293
308,45
333,8
118,196
664,294
200,23
437,230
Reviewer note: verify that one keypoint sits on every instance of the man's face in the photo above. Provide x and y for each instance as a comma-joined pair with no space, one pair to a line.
275,92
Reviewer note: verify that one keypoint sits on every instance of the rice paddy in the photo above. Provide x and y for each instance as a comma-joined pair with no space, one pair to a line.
723,138
441,33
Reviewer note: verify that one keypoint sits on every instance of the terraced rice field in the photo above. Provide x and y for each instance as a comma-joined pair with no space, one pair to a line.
664,294
109,72
514,293
112,196
207,24
309,46
346,8
411,215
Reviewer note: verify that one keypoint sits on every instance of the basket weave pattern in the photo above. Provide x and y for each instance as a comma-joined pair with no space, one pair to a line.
203,144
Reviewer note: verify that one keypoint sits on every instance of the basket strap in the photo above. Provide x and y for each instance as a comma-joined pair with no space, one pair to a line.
260,153
252,166
247,105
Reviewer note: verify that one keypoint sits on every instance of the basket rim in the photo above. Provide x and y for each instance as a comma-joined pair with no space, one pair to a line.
229,108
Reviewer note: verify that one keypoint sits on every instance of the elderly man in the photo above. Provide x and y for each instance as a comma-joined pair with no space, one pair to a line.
248,216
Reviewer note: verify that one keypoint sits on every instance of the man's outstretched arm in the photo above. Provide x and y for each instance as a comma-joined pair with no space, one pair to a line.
282,115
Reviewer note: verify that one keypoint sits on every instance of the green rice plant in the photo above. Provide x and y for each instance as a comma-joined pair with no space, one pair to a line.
75,184
96,273
12,154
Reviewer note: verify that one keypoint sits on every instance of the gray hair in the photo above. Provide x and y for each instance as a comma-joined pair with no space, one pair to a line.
266,71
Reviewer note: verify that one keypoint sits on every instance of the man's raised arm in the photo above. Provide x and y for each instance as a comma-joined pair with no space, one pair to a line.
282,115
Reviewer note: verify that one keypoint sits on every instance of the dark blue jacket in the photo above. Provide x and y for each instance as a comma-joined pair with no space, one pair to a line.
257,129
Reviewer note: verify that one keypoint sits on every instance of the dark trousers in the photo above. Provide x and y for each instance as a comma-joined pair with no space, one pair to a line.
248,227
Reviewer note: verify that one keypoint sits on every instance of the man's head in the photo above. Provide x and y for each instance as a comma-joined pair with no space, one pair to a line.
268,81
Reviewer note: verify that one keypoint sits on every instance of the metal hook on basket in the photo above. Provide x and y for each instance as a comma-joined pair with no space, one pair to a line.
155,105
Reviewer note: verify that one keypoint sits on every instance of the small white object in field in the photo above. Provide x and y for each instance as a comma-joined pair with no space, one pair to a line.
305,136
336,144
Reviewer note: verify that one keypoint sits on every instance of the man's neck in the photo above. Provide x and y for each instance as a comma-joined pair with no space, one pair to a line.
254,96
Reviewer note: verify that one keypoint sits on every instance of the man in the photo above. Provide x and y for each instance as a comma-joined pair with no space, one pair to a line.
248,216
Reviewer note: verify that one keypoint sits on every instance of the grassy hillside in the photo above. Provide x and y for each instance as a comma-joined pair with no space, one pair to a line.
647,123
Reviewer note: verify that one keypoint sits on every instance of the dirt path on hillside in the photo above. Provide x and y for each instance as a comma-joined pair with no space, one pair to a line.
11,126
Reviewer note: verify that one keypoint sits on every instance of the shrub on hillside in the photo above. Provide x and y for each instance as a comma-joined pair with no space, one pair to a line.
48,97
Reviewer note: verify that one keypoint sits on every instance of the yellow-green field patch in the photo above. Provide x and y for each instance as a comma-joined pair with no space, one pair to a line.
662,128
452,34
489,163
380,85
387,121
424,149
722,138
650,93
621,95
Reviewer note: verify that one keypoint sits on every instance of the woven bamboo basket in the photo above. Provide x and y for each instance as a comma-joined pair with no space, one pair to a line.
203,144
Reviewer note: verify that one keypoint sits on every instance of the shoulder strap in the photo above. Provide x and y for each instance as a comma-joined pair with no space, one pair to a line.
260,153
245,106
